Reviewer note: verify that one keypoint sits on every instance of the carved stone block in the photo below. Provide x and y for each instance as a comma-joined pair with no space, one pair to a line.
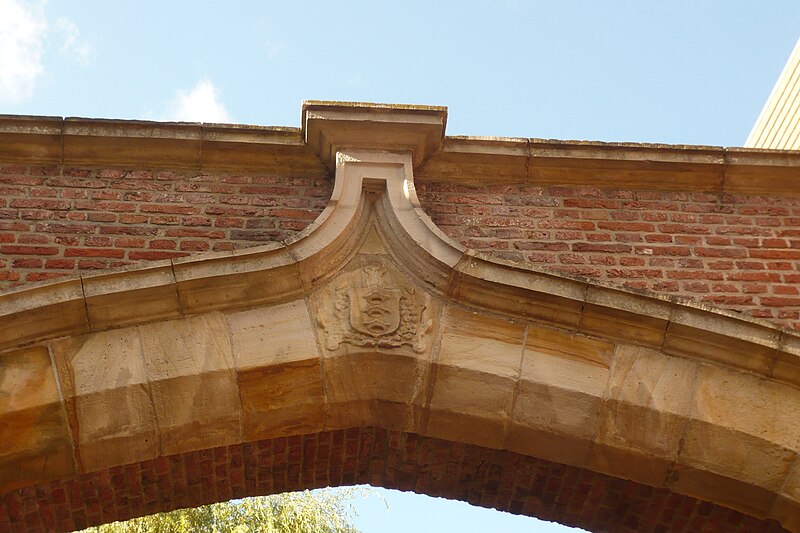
373,306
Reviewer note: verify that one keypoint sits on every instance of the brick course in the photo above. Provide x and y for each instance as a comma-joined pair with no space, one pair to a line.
60,221
392,459
736,252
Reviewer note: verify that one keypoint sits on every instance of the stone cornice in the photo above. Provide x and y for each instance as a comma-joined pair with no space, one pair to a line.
144,144
541,162
328,125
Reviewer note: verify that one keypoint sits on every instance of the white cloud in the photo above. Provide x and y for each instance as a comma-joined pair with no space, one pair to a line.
73,46
273,50
22,33
201,104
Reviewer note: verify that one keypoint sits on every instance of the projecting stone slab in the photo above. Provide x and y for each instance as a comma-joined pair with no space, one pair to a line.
131,296
616,314
332,125
518,293
260,275
35,444
46,311
787,361
720,338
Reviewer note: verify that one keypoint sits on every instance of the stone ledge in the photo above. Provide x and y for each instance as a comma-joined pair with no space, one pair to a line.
329,127
326,125
145,144
539,162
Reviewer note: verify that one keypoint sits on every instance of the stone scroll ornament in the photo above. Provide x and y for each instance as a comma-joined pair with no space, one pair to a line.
373,306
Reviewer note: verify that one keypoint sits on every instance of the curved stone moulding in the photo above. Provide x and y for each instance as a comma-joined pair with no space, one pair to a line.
372,317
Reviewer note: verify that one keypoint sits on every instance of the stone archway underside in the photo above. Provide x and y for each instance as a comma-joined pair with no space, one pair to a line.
119,392
499,479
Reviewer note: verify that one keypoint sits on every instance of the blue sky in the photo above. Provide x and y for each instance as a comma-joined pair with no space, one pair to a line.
392,511
682,71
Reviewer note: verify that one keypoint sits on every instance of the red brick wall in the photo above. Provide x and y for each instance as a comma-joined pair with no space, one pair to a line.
734,252
481,476
56,222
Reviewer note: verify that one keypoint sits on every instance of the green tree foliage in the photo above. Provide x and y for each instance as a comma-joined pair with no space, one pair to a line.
318,511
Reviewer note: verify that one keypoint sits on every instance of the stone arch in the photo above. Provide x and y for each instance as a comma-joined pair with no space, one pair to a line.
373,323
482,476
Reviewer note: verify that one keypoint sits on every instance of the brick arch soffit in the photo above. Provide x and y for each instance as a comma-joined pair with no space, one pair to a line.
663,378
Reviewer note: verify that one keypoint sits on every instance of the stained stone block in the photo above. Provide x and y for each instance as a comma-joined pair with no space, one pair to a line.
357,383
743,427
35,444
195,394
645,414
741,442
108,398
561,391
279,372
267,336
374,329
474,378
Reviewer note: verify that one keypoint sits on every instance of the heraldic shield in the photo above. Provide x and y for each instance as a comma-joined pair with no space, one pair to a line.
374,306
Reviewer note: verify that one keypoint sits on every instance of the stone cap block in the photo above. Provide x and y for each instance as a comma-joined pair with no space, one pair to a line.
330,126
